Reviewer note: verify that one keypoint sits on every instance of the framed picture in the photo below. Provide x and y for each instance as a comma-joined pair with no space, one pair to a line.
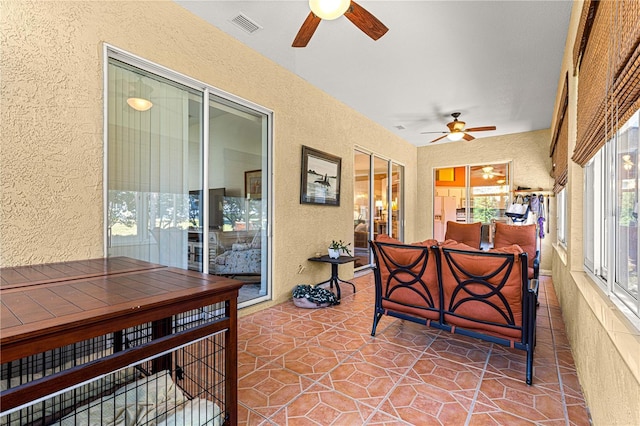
320,178
446,175
253,184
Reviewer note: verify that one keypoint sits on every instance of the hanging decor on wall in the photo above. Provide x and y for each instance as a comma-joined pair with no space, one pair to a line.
320,178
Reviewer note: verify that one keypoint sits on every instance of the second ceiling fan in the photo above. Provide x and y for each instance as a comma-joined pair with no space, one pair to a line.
332,9
457,130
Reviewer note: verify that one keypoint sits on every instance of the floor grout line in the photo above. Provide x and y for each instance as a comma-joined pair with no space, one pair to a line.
477,391
555,354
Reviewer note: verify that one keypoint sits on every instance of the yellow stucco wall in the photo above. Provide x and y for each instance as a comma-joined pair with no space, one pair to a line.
52,128
528,152
604,343
51,161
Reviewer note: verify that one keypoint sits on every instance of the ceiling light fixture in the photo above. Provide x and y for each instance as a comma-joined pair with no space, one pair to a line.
487,172
139,104
628,164
455,136
329,9
139,94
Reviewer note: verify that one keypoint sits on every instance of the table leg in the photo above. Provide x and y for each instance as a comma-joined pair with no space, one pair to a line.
335,279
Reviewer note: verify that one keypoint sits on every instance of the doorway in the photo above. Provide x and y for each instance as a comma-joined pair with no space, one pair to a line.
188,176
378,202
469,194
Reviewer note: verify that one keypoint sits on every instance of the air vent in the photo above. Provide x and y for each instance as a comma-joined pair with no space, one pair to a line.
245,23
400,127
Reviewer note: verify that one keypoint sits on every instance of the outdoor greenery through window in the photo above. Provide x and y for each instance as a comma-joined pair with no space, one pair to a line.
611,216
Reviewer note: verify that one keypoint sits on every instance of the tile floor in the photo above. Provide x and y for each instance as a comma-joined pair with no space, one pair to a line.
322,367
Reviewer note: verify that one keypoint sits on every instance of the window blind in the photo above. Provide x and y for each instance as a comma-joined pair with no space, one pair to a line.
560,142
607,61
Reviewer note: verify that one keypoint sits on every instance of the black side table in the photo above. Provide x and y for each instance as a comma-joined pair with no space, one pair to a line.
334,271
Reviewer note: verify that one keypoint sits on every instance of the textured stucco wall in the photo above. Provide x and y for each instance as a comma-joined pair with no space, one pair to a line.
604,344
606,351
52,128
528,152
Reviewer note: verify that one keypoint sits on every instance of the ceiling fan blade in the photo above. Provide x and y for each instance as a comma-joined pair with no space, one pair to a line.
364,20
424,133
480,129
436,140
306,30
468,137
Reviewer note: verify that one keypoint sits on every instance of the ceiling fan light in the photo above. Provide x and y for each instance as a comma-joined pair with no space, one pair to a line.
139,104
455,136
329,9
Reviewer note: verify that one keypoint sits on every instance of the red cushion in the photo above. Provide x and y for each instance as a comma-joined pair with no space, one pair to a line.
522,235
458,245
468,233
405,256
484,266
384,238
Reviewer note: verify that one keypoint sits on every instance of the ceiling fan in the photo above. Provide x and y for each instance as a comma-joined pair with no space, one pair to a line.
332,9
457,130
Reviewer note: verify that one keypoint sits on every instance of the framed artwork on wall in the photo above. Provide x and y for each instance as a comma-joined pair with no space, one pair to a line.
253,184
320,178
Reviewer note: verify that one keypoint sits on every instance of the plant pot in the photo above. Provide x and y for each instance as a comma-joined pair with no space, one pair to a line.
334,254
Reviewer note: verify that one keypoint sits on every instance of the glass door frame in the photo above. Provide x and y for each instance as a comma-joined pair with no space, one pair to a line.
383,211
467,195
109,52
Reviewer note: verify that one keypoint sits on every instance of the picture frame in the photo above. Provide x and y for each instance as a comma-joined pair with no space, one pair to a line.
446,175
320,178
253,184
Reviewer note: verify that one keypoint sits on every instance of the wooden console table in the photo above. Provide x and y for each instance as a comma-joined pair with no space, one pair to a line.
44,307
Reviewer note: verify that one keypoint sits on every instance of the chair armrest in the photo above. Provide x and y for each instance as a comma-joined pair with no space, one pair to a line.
536,265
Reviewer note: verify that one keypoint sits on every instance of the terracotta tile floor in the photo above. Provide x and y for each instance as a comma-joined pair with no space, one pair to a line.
322,367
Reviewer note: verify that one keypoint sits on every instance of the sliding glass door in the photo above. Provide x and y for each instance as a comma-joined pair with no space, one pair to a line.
378,202
173,198
468,194
148,166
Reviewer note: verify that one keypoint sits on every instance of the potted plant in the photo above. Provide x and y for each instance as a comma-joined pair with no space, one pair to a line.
336,247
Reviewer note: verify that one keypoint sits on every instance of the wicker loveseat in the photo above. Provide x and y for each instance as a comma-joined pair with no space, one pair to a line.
459,289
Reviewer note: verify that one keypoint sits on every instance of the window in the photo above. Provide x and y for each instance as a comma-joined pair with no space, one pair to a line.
562,217
187,174
377,204
468,194
611,216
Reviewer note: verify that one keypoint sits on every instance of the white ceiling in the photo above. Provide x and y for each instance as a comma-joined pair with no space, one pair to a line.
496,62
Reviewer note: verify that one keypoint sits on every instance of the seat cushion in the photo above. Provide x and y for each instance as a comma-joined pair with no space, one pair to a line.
402,290
467,233
522,235
480,274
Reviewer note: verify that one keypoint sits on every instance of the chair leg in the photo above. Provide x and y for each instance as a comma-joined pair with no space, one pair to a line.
529,365
376,317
